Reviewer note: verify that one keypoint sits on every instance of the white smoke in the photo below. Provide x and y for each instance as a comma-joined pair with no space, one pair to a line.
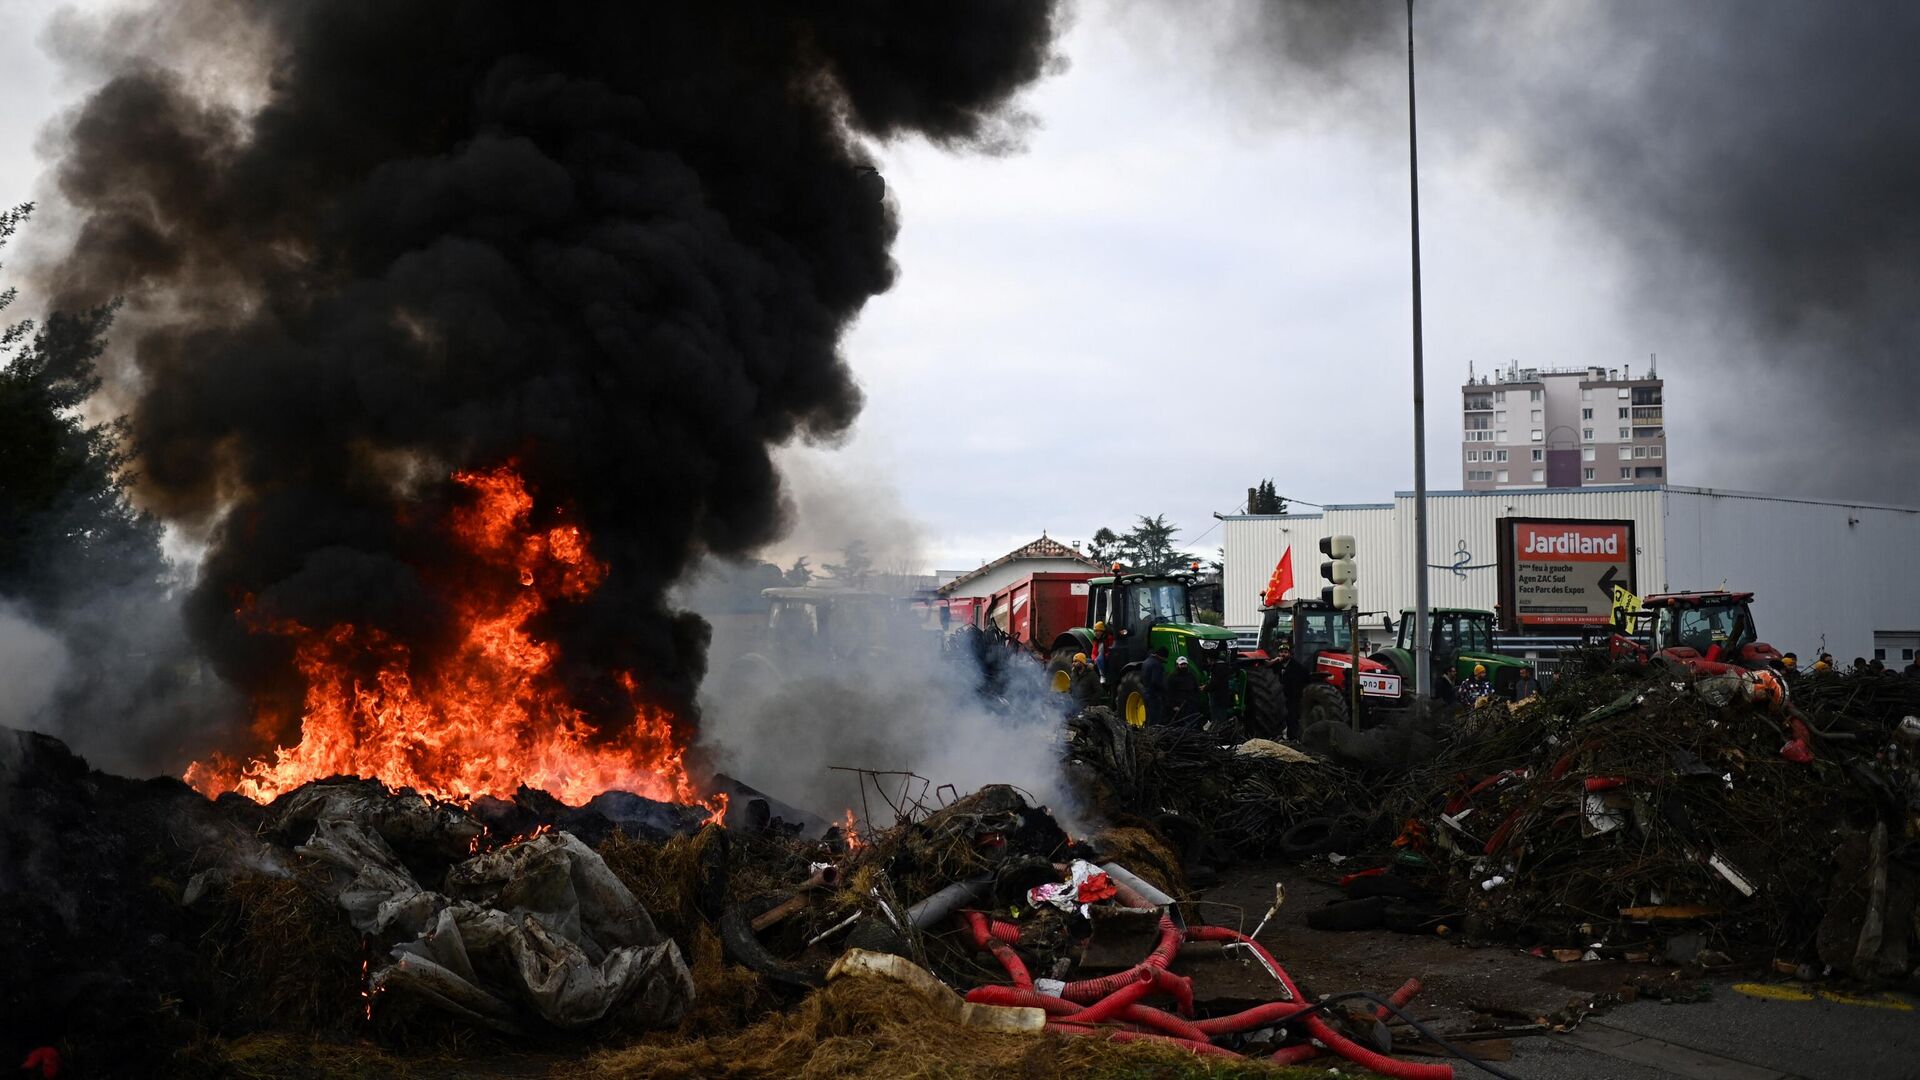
33,661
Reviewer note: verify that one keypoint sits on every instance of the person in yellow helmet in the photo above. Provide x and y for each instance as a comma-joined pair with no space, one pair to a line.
1473,690
1083,682
1102,642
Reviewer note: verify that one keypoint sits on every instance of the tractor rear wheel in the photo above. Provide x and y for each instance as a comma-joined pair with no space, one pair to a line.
1060,671
1323,701
1130,699
1265,703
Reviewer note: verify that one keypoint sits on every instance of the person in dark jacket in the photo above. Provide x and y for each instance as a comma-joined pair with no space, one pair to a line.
1153,685
1183,692
1474,689
1083,683
1220,690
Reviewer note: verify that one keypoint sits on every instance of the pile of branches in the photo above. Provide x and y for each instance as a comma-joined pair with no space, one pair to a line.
1215,800
1623,805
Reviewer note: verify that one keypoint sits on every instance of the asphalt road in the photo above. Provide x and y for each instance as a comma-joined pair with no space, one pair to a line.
1737,1036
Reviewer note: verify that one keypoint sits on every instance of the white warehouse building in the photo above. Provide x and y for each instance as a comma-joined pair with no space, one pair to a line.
1834,576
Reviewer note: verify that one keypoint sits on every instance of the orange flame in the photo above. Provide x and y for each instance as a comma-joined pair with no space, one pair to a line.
487,718
851,833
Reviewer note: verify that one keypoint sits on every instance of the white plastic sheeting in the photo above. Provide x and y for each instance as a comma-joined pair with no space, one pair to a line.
539,926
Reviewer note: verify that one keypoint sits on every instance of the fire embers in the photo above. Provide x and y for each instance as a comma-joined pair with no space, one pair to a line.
479,718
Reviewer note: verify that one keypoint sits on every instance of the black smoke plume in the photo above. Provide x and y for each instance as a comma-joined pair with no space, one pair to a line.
362,245
1754,164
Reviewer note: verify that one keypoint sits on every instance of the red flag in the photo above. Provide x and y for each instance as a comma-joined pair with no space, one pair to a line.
1281,583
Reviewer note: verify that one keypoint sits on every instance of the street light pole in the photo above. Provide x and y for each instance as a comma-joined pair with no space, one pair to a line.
1423,624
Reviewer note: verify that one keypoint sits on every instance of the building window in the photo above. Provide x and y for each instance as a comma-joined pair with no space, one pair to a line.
1499,397
1537,433
1503,476
1536,453
1586,454
1500,437
1479,403
1586,474
1536,416
1625,434
1626,394
1586,394
1533,395
1499,455
1648,472
1656,451
1646,395
1626,453
1639,451
1539,475
1586,434
1626,472
1500,416
1586,414
1480,474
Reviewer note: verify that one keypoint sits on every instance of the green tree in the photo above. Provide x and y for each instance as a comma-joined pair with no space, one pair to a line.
854,565
1104,545
799,573
1148,546
1263,499
66,524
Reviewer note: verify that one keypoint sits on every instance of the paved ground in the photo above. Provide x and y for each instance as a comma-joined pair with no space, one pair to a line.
1755,1029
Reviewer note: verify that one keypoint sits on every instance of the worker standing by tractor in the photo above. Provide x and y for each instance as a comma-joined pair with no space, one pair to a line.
1473,690
1083,686
1153,685
1219,687
1183,692
1102,645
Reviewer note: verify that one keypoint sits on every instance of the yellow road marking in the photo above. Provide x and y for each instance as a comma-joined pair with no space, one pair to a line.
1787,992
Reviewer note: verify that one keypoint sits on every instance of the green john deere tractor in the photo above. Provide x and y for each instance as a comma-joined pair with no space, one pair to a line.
1145,611
1461,637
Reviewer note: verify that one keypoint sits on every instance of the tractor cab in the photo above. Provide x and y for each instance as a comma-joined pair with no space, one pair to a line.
1322,640
1461,638
1707,633
827,624
1132,605
1276,632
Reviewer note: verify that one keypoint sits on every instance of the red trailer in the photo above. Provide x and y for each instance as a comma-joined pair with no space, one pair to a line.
1038,608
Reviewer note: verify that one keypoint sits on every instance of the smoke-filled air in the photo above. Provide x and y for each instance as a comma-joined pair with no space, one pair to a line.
459,331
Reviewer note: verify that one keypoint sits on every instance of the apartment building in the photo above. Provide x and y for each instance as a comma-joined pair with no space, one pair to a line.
1534,427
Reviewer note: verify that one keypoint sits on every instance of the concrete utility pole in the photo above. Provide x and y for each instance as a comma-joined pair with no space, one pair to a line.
1423,623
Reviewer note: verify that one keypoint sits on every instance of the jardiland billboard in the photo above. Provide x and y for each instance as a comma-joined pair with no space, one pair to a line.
1560,573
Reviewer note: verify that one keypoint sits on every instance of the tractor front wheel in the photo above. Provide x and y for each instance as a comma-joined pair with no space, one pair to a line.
1266,703
1323,701
1130,699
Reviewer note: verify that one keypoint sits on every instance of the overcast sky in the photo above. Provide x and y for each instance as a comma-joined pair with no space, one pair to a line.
1167,295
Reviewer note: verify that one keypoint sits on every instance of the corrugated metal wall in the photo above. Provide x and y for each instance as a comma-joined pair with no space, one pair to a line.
1460,533
1822,574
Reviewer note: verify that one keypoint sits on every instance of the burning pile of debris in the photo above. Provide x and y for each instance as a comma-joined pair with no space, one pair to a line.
149,925
1641,813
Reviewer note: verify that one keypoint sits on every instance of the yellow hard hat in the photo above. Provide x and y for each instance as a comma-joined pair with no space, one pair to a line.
1079,658
1479,670
1099,626
1789,661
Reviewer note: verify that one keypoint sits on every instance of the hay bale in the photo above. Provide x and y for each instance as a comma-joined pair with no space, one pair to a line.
283,954
868,1028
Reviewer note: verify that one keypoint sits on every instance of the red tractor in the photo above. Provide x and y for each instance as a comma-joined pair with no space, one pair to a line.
1706,633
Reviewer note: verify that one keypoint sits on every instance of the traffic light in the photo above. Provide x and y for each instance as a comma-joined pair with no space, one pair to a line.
1339,570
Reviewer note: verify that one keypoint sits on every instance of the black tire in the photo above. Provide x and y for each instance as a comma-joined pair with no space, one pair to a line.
1307,838
1265,714
1323,702
1350,914
1130,698
743,947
